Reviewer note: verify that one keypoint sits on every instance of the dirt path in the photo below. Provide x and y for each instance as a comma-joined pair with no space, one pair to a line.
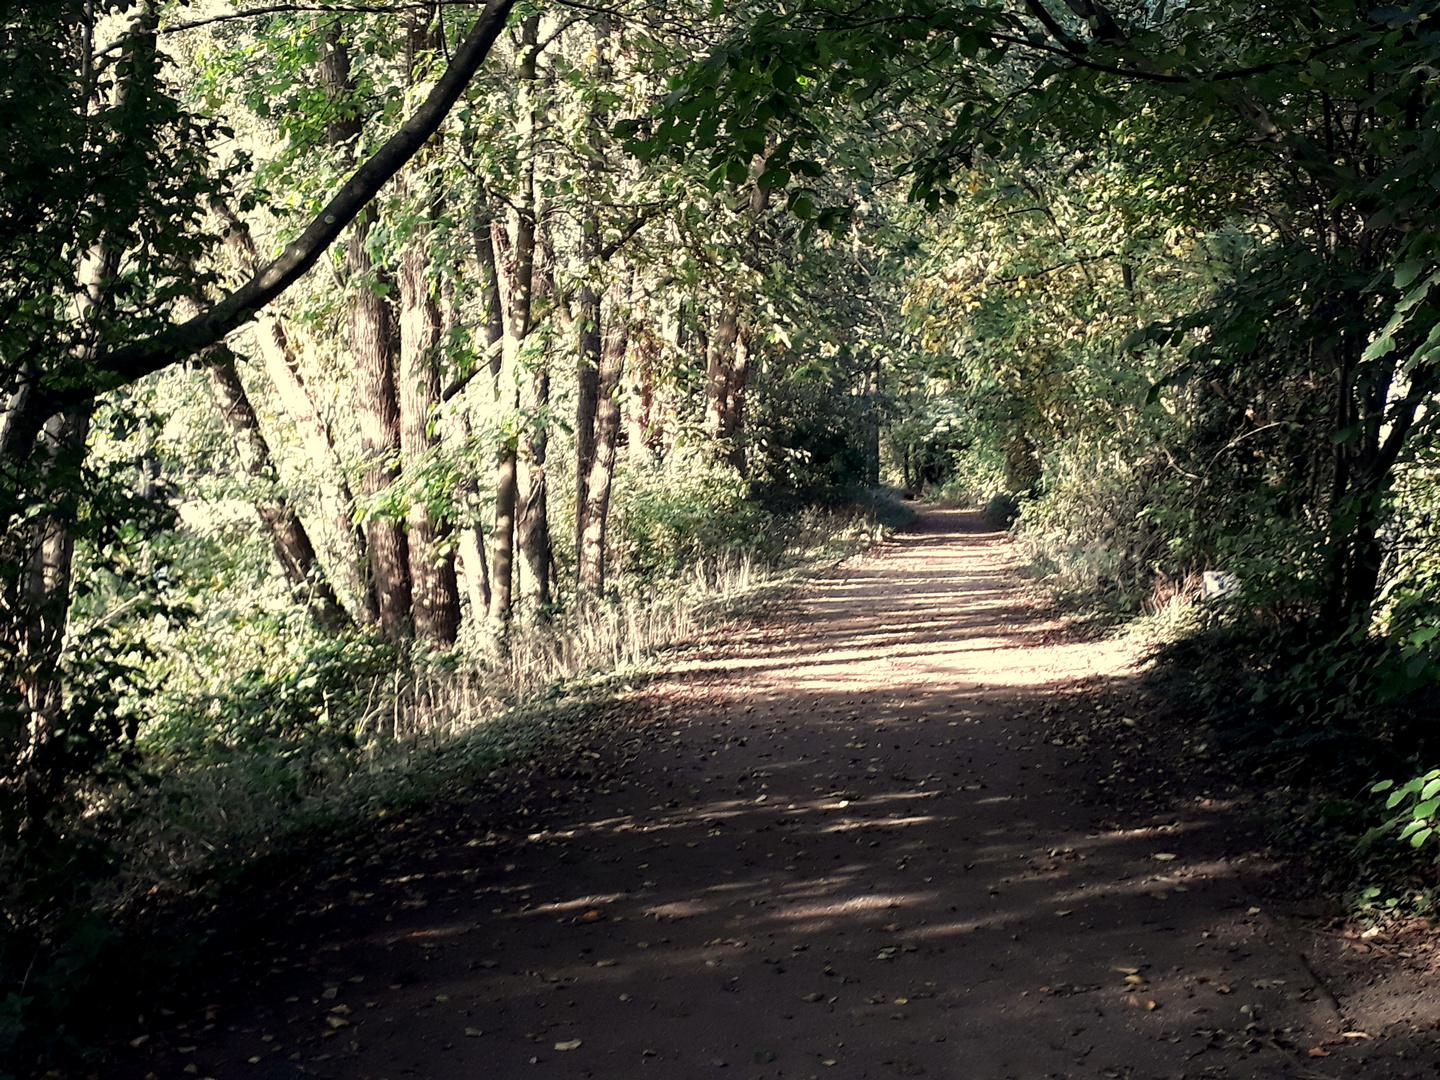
856,841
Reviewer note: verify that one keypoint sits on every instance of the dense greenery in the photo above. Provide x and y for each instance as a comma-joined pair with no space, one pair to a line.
348,354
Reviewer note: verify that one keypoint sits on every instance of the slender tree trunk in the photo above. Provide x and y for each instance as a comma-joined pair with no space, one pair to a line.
372,352
435,594
587,385
534,513
35,586
602,468
518,325
641,435
288,536
721,360
502,574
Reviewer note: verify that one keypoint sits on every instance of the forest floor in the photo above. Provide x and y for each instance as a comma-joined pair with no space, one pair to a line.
911,823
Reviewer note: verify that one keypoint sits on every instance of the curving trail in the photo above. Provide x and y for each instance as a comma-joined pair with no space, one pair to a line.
856,840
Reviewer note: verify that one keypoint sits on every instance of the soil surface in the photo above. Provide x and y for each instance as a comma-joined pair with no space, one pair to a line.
910,824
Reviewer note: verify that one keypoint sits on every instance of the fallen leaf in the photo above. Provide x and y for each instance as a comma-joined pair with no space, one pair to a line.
1163,856
593,915
828,1061
1062,914
1127,971
1355,1035
568,1044
1316,1051
1222,989
1134,980
474,1033
337,1022
606,963
814,997
139,1041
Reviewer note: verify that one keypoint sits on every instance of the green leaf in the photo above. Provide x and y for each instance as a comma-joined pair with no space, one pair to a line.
1408,271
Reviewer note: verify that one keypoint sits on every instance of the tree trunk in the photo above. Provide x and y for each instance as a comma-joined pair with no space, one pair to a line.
517,325
596,508
372,352
372,348
435,592
288,536
587,385
502,573
719,368
534,512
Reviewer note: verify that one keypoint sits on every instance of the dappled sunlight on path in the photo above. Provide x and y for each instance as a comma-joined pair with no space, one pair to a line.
847,842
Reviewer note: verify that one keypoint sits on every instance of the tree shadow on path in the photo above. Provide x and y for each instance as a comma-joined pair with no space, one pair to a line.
853,841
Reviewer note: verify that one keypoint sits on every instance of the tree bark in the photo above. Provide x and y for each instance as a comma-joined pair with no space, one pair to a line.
373,372
435,594
517,327
598,483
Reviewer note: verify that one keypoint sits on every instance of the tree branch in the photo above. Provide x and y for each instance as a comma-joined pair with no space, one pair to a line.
131,362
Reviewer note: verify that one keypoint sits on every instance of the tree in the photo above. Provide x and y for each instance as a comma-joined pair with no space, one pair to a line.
105,180
1319,104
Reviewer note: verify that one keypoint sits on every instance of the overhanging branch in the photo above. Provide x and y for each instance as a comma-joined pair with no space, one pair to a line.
124,365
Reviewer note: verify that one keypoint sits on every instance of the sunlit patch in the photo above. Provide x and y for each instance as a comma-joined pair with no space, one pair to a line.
851,825
853,905
679,909
434,933
595,900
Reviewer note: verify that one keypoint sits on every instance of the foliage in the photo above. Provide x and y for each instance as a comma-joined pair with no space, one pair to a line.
1417,799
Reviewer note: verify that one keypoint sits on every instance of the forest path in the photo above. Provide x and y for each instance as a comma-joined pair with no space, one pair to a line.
858,839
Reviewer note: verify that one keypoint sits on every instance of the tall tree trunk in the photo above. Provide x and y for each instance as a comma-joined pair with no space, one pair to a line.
534,508
372,348
36,583
718,370
602,468
517,325
373,354
587,382
435,594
